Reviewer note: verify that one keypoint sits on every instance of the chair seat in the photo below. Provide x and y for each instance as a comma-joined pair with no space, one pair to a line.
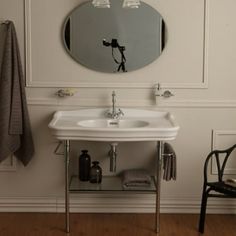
221,187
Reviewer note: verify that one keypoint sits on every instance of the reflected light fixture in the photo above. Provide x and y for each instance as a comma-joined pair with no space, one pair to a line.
126,4
131,4
101,3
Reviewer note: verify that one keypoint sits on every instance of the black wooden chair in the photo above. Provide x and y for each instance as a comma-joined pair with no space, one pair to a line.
220,188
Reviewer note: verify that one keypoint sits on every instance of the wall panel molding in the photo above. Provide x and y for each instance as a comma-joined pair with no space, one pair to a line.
32,81
218,142
135,103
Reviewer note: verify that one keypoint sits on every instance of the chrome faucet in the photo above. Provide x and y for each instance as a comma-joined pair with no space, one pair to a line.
114,113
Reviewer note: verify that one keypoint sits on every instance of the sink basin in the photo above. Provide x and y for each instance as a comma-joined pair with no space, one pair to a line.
104,123
93,125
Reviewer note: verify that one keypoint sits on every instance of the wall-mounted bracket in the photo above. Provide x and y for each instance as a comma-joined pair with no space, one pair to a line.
56,151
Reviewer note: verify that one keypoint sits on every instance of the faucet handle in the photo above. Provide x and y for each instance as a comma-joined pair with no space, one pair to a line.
120,112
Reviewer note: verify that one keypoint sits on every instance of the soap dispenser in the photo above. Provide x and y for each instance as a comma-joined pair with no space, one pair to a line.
84,165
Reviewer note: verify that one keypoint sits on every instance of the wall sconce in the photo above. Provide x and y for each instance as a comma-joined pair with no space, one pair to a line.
106,3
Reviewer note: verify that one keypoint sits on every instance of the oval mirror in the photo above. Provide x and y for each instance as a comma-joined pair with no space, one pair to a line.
114,39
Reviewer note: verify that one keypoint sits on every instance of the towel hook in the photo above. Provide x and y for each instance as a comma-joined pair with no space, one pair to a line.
4,21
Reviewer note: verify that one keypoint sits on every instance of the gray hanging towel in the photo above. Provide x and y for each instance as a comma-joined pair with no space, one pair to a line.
169,162
15,130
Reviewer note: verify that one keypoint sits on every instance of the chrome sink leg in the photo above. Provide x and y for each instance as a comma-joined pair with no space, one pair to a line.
158,184
67,194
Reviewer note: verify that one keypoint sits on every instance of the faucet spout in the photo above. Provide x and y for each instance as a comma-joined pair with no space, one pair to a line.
113,102
114,113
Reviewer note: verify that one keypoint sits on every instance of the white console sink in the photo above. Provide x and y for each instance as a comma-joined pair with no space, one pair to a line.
93,125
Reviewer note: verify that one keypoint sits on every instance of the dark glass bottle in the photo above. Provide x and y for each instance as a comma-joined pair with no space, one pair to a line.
95,173
84,165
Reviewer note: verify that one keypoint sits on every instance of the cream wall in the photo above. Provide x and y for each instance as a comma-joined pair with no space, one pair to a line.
197,66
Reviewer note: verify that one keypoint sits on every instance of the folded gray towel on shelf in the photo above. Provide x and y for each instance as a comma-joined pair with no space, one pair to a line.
169,162
136,178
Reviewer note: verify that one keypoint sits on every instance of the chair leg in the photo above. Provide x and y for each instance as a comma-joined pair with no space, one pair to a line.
203,211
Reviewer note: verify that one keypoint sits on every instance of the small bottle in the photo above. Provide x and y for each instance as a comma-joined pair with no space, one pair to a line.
84,165
95,173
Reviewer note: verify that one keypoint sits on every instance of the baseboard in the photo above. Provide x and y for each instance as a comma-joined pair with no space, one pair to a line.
26,204
110,203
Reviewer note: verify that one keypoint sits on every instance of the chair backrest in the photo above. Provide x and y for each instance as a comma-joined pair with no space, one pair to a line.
219,164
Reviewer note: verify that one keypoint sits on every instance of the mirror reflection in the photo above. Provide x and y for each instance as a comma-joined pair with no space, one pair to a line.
114,40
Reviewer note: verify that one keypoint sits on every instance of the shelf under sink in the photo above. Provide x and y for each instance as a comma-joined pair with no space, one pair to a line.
109,183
